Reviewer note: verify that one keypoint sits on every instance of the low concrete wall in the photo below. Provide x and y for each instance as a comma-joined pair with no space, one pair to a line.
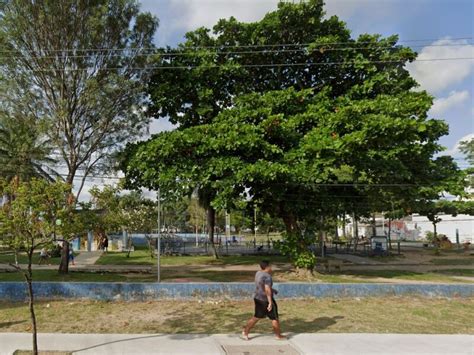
16,291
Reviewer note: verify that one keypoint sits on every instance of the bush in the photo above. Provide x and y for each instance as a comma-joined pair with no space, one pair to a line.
430,237
297,247
55,251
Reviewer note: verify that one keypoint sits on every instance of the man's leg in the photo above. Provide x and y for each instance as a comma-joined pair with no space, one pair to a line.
275,321
250,324
276,329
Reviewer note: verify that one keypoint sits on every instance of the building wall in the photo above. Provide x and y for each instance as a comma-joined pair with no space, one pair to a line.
416,226
448,226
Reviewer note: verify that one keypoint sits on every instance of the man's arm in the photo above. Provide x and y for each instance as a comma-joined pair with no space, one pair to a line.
268,293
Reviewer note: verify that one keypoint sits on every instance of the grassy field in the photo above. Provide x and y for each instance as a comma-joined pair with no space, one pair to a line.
242,269
454,261
187,273
142,257
23,259
351,315
53,275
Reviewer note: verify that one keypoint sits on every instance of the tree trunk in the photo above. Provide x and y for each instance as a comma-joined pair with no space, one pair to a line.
374,226
64,265
389,233
321,237
356,232
211,223
344,225
29,280
290,223
129,244
291,226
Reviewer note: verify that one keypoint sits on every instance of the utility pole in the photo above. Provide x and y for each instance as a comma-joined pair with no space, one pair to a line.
158,246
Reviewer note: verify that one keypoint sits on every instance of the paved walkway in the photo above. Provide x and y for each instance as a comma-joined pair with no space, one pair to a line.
86,258
335,344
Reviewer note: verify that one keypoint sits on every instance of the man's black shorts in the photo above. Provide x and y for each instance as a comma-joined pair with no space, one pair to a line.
261,310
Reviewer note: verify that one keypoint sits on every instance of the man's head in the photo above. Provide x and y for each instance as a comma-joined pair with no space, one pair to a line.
265,266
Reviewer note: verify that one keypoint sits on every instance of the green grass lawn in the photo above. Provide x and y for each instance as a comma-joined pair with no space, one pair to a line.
457,272
142,257
334,315
172,273
53,275
435,276
23,259
452,261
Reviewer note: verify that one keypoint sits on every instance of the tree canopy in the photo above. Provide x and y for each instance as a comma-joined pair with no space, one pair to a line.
72,65
25,151
293,115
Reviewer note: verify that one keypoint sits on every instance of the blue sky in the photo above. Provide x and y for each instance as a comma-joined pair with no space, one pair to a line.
450,82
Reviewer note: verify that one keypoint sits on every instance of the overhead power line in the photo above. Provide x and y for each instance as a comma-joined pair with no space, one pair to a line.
249,45
156,52
268,65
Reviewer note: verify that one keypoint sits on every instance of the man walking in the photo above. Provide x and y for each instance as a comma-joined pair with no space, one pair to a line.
265,305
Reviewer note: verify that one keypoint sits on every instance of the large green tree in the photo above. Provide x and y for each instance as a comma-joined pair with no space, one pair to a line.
295,116
78,67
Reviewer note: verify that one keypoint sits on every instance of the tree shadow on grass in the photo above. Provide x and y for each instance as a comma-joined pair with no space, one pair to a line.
227,321
14,304
9,324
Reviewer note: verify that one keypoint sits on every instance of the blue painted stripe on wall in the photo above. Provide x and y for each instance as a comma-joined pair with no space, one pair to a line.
16,291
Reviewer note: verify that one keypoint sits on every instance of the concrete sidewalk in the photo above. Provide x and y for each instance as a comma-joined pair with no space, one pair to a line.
86,258
343,344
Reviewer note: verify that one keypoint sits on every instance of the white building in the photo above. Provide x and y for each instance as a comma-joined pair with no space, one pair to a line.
462,225
415,227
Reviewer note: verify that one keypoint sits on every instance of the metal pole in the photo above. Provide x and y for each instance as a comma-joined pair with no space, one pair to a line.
255,227
227,231
158,249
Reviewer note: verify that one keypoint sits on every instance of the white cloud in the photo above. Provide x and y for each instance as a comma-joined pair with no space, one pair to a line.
454,151
435,76
371,11
193,14
196,13
161,125
443,104
180,16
